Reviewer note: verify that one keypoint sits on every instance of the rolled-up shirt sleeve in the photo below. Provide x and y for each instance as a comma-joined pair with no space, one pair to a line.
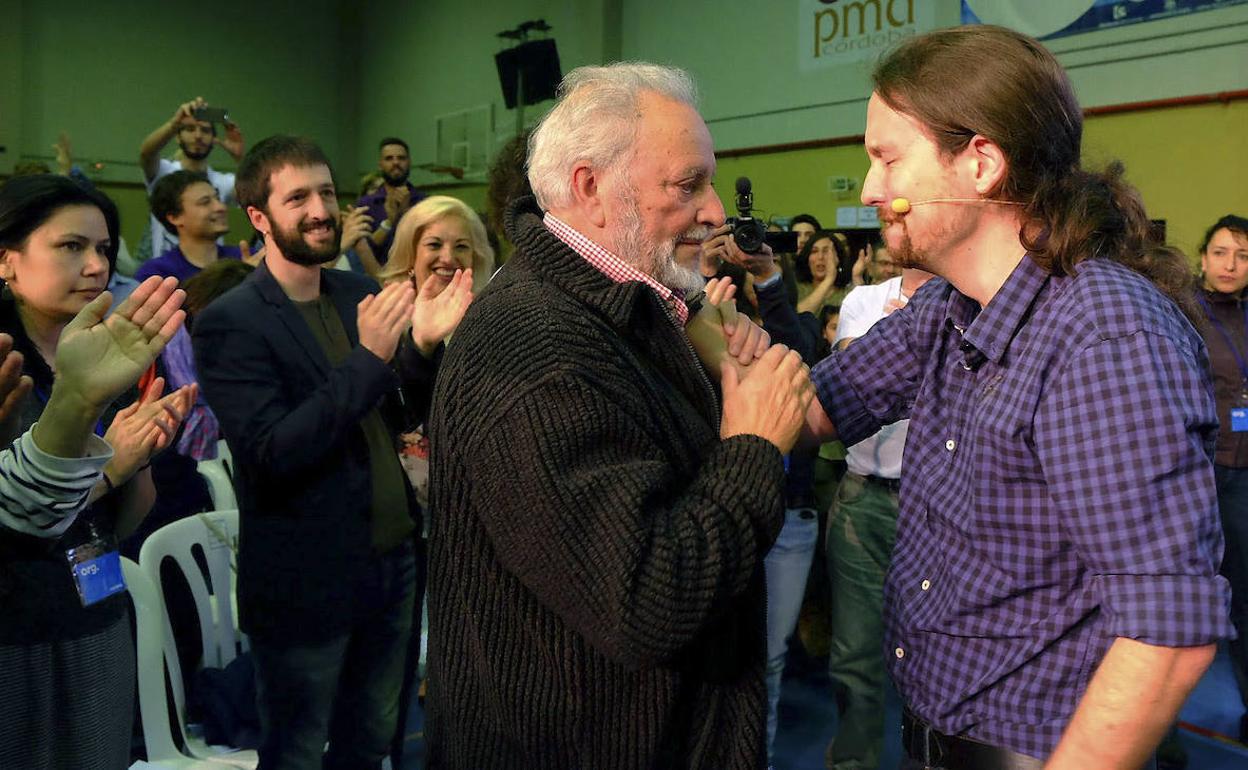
41,494
1144,517
874,381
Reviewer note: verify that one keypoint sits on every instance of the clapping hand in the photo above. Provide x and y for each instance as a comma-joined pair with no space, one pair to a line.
858,276
98,357
436,314
398,199
356,225
145,428
14,386
383,317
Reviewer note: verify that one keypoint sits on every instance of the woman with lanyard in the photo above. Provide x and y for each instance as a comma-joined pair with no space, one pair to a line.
66,654
1224,262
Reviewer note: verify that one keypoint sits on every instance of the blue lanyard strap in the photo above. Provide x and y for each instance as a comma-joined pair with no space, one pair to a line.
1226,335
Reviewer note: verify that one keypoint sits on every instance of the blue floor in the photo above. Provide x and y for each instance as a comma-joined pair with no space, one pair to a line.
808,722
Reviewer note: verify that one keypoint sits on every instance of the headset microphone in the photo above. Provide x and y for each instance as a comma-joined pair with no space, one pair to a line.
903,205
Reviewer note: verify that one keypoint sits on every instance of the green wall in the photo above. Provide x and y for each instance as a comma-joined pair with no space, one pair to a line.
347,73
1189,164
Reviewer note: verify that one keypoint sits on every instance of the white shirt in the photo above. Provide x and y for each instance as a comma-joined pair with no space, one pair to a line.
879,455
162,239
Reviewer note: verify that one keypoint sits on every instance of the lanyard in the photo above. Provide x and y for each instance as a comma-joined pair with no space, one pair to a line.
1226,335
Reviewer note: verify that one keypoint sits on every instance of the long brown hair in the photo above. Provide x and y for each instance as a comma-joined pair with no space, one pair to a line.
1002,85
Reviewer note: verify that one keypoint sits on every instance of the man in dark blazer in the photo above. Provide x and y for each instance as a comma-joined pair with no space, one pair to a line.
296,363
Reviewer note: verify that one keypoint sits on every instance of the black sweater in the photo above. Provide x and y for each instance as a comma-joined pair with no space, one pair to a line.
596,551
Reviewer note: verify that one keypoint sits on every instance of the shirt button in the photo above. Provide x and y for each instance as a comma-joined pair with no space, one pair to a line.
900,653
951,445
926,584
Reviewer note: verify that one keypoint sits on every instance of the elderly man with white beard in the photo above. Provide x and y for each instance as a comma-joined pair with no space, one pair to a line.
600,511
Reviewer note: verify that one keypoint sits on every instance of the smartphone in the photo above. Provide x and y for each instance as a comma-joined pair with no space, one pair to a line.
212,115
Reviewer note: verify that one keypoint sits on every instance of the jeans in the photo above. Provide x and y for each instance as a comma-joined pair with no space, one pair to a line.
1233,506
862,526
787,564
412,665
345,689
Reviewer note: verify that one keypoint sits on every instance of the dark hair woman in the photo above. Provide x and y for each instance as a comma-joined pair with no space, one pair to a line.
66,656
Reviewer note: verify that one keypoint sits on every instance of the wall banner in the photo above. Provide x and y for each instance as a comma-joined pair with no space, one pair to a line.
832,33
1058,18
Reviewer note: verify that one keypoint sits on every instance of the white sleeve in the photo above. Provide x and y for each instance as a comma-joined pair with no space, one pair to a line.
857,313
224,183
165,167
41,494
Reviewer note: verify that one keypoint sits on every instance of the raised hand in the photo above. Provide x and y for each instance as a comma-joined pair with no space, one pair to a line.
356,225
397,201
770,400
232,141
98,357
383,317
859,274
185,114
64,154
146,428
14,386
244,249
436,314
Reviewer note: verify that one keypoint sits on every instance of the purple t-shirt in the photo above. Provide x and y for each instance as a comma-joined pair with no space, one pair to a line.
376,203
174,263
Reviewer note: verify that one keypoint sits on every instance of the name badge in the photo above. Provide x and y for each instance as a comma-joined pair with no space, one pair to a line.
1239,419
96,572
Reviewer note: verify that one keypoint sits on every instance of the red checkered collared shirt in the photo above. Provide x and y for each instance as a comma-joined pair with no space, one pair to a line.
612,266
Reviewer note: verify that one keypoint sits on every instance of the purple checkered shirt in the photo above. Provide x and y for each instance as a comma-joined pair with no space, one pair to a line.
1057,491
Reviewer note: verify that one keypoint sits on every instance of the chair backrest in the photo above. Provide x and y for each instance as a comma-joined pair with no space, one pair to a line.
217,473
149,648
226,458
214,536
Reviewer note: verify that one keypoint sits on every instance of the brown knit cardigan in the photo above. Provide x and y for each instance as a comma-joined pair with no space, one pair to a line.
596,550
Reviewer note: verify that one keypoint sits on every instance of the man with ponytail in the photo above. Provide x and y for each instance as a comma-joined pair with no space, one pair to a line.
1054,592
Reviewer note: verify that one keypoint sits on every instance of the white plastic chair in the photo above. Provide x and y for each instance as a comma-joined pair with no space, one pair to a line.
219,473
215,535
149,615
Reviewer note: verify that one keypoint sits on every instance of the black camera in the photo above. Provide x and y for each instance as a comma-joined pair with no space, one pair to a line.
750,233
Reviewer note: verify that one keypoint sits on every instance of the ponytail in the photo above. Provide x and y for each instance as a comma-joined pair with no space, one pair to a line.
1085,214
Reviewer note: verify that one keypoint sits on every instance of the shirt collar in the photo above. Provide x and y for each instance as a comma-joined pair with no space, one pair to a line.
987,333
612,266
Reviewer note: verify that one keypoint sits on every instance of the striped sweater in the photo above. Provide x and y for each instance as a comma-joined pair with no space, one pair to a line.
40,494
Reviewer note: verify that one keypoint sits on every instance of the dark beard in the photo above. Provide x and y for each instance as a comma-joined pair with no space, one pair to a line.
397,179
195,155
294,248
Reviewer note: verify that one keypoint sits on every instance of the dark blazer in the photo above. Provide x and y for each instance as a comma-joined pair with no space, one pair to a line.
292,422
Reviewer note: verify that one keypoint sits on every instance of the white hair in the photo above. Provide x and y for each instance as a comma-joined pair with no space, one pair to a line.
596,121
